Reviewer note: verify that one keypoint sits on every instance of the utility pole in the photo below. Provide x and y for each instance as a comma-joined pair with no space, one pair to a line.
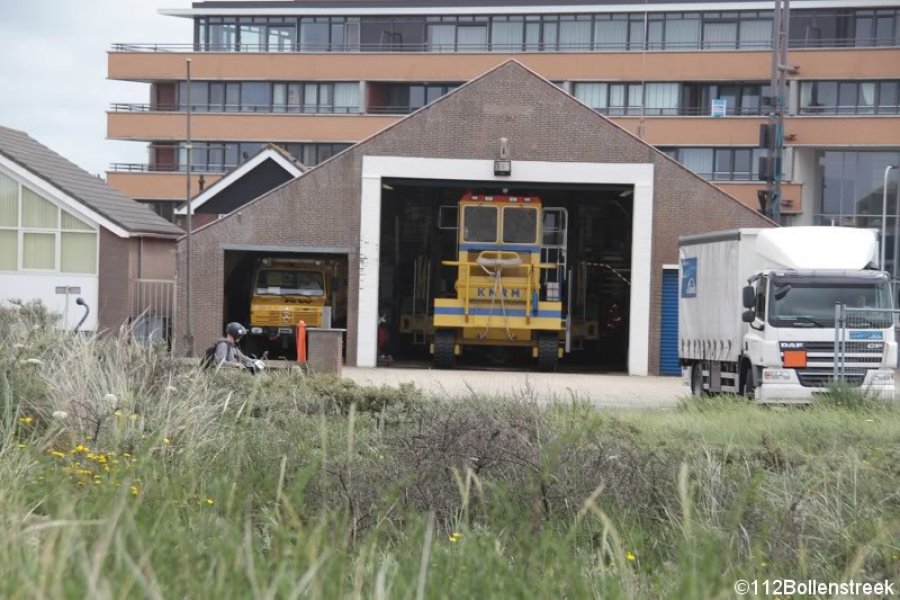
772,134
189,333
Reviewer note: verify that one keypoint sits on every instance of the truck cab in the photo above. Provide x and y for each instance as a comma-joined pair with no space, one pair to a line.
284,293
789,347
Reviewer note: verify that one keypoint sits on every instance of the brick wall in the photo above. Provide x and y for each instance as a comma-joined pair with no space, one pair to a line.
115,268
542,123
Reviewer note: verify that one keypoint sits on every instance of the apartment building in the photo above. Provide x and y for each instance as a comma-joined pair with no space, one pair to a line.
315,76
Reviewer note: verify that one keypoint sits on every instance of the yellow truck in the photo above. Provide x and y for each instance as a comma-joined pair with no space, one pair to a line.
286,291
499,299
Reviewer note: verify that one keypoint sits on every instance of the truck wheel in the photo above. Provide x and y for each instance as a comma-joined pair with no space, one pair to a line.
444,343
697,379
548,351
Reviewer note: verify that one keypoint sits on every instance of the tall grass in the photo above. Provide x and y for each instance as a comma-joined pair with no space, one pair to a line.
157,480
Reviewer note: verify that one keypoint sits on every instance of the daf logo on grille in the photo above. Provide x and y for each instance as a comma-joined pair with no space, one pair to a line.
791,345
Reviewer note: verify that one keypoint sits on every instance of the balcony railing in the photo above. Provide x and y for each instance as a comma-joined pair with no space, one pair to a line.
400,109
482,47
150,168
310,109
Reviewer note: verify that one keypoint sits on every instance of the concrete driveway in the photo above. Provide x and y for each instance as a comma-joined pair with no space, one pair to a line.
609,391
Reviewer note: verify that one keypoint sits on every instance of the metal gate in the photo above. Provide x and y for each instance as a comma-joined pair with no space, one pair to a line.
151,309
859,341
668,338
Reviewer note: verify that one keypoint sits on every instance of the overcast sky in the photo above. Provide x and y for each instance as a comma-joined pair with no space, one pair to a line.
53,71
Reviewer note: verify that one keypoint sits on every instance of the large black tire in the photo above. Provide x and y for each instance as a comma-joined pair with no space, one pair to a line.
548,351
697,379
444,344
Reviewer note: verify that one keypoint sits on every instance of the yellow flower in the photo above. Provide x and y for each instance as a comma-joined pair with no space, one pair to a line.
26,420
210,501
631,555
80,449
22,445
455,537
57,454
167,441
135,490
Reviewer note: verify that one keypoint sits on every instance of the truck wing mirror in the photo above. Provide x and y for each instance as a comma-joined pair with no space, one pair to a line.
749,316
749,296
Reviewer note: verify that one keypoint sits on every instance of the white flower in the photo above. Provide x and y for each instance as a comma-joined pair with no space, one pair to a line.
111,398
33,361
170,389
60,415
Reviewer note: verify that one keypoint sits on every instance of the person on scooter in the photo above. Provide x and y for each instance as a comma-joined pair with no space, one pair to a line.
227,352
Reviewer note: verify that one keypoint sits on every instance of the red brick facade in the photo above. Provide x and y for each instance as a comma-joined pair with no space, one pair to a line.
541,122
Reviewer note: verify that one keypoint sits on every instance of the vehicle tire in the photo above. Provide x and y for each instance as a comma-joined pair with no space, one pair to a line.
748,386
697,379
444,343
548,351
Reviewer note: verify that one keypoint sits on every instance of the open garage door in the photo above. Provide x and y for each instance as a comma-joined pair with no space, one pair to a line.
584,245
269,291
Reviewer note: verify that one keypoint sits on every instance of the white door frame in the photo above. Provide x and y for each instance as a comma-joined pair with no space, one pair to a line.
376,168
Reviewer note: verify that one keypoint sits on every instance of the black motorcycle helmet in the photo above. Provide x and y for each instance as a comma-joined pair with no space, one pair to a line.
235,330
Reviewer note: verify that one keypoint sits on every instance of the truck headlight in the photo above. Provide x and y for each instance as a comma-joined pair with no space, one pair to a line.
256,330
882,377
776,375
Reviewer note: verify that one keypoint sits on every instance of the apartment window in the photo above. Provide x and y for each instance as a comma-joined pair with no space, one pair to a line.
315,35
255,97
281,37
611,32
507,34
252,35
661,99
720,164
592,94
849,97
392,34
222,34
720,31
844,27
472,37
740,98
575,33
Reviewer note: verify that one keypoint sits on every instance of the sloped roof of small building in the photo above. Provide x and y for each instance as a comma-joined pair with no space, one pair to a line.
239,178
92,192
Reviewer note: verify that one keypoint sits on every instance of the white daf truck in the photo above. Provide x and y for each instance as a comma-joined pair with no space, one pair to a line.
757,312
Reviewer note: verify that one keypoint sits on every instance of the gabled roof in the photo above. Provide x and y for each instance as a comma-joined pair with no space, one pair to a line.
93,193
292,167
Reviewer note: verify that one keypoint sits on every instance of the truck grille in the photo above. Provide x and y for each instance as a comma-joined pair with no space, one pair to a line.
820,378
820,355
858,358
285,318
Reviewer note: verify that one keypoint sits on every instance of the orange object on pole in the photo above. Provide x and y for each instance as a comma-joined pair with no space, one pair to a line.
301,342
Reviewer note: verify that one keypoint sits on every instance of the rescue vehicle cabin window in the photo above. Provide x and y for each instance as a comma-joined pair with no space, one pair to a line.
480,224
519,225
288,282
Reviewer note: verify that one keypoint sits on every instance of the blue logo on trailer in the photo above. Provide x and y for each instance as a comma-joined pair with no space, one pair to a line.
866,335
689,278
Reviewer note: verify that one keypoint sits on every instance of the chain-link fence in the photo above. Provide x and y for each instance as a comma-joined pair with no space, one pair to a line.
860,336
